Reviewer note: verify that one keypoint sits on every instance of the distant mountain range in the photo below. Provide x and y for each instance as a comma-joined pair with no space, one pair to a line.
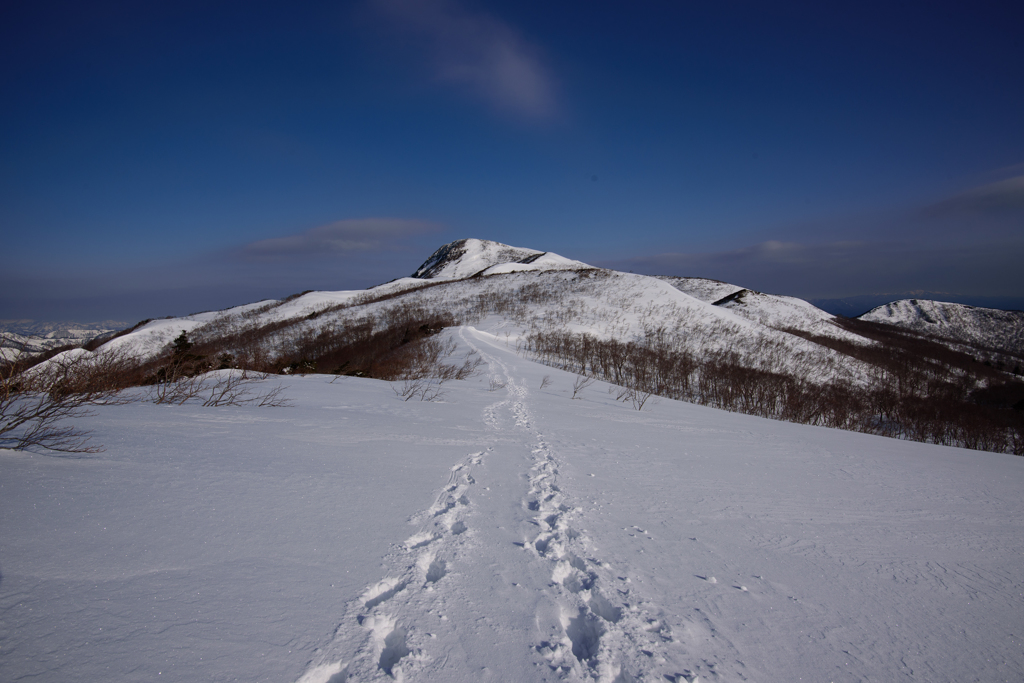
18,337
956,323
854,306
60,330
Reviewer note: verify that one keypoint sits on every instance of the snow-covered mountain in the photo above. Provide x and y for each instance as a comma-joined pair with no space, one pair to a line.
690,339
548,288
983,327
607,304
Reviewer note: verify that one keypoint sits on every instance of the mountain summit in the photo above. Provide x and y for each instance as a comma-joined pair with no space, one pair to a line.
472,257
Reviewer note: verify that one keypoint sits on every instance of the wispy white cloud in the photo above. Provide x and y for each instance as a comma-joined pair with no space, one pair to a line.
971,242
1005,196
476,51
341,237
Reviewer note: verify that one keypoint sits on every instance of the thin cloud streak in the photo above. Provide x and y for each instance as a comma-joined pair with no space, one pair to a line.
971,242
341,238
1005,196
344,255
478,52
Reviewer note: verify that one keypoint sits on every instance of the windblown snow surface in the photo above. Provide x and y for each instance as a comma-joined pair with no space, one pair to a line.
505,535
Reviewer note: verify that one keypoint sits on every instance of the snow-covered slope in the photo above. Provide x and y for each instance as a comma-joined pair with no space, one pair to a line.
770,310
151,338
985,327
506,535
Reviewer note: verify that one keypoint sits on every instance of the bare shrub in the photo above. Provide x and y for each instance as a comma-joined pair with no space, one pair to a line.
581,383
421,389
227,389
637,397
219,388
273,398
545,382
36,402
176,390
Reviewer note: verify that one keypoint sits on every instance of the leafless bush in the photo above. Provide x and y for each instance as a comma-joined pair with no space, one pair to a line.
422,389
636,397
274,398
469,368
226,390
581,383
36,402
408,389
176,390
219,388
545,382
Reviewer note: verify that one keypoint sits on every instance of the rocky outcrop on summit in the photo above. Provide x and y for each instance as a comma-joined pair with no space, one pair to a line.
465,258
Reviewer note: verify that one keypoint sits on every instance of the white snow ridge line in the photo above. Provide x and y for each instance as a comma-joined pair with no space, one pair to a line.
609,633
374,640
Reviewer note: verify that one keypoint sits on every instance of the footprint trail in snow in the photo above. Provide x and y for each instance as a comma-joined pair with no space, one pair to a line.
591,624
378,638
608,632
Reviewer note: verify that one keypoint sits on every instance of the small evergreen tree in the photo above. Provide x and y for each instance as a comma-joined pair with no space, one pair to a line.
181,344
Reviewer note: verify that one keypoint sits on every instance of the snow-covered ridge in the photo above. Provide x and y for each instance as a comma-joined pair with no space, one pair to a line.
986,327
771,310
701,288
603,304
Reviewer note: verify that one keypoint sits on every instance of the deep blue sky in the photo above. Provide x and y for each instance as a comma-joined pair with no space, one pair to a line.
167,157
